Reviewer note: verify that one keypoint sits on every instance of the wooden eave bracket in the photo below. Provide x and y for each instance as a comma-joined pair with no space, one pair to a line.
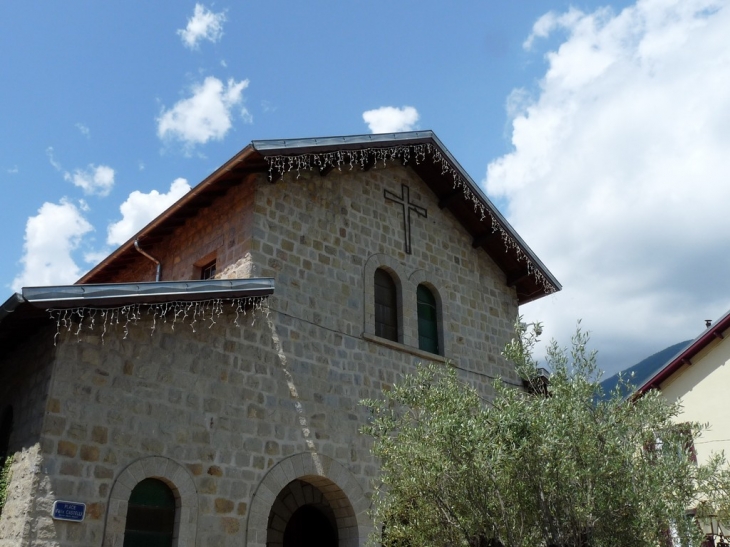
370,163
449,198
482,238
326,170
516,277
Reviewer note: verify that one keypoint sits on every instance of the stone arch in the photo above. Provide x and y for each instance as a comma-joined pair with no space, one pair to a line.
337,485
299,495
423,277
393,267
173,475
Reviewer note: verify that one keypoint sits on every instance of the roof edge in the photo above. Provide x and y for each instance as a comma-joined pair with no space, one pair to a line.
676,362
10,305
108,294
306,144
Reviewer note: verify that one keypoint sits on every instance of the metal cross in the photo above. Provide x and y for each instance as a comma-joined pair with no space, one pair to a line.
404,200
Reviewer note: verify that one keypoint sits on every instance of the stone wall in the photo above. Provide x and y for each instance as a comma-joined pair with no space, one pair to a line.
219,403
229,416
25,376
321,239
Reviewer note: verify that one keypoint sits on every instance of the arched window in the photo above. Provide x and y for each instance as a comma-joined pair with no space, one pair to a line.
150,515
428,332
386,306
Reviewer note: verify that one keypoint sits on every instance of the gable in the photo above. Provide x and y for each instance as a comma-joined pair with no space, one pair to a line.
453,191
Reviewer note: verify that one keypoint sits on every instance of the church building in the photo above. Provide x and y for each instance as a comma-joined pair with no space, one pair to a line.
201,386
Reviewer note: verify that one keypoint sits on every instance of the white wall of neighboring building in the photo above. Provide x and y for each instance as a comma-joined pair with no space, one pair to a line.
703,388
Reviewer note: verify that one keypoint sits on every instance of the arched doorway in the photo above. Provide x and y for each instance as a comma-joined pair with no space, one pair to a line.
269,515
302,516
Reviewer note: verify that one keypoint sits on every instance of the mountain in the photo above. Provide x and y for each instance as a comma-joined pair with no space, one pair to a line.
644,369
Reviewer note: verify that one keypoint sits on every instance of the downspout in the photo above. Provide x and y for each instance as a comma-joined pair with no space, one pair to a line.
153,259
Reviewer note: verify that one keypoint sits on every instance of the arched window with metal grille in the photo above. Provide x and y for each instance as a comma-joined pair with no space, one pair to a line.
150,515
428,331
386,306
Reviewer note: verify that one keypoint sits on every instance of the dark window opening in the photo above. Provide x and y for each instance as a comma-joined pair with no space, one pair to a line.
208,271
386,306
150,515
428,333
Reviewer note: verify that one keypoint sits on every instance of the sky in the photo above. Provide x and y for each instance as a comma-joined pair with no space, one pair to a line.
600,129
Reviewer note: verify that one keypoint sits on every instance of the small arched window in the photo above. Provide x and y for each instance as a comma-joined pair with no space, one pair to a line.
428,332
150,515
386,306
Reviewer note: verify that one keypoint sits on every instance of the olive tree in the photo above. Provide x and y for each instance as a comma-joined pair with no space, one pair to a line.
566,466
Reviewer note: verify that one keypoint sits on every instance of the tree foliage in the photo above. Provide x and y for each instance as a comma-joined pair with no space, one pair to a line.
571,468
5,464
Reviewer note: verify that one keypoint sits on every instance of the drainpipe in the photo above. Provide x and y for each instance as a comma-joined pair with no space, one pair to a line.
153,259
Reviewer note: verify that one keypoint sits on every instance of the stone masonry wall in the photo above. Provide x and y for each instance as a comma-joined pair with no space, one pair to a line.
217,401
221,231
25,375
219,411
316,235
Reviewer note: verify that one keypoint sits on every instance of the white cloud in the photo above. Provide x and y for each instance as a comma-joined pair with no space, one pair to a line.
619,175
12,170
50,238
83,129
94,180
206,115
203,25
139,209
388,119
52,159
94,257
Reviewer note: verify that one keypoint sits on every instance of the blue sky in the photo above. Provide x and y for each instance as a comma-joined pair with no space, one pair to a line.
600,129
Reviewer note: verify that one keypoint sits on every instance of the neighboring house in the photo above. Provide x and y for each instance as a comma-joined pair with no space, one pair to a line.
201,385
698,376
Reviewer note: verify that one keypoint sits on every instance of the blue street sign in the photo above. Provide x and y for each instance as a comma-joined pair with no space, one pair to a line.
69,510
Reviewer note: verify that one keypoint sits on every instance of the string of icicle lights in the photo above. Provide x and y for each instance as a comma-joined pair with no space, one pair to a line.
204,313
405,153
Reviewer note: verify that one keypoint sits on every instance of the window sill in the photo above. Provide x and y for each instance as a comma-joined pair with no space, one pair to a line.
432,357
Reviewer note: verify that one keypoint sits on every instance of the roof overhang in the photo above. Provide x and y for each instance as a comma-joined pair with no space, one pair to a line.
22,314
454,188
